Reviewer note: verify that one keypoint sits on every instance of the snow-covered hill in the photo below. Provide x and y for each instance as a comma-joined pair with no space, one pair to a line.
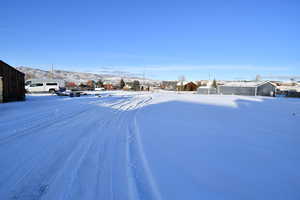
77,77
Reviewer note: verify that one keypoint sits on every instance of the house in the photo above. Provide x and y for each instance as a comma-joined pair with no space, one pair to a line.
187,86
145,87
207,88
293,93
168,85
128,86
248,88
289,91
204,82
12,84
108,85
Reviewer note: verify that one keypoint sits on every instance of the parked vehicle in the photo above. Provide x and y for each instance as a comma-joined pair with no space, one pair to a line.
99,88
44,85
69,93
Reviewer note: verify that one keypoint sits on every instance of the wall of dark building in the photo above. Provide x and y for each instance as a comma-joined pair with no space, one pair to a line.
13,83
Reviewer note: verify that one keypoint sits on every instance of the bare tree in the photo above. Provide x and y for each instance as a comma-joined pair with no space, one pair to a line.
90,84
99,83
258,77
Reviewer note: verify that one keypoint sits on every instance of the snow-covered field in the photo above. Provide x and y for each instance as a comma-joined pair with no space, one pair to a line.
150,146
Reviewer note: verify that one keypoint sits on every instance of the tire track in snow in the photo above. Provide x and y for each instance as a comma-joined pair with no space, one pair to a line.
44,148
141,181
109,183
105,164
41,123
44,124
43,118
105,182
37,190
42,181
38,175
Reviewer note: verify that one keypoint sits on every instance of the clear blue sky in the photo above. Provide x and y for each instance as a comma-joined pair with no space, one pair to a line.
228,39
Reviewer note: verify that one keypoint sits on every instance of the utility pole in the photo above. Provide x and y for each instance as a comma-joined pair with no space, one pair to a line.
144,80
52,75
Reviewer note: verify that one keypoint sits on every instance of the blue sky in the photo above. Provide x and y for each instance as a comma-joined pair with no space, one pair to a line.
163,39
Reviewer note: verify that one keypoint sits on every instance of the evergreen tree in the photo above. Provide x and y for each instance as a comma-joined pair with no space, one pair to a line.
214,84
136,85
122,84
82,85
99,83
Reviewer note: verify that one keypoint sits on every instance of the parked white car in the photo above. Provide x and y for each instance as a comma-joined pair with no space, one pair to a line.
46,85
99,88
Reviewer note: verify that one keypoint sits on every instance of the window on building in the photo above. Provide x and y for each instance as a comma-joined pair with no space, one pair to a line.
36,85
51,83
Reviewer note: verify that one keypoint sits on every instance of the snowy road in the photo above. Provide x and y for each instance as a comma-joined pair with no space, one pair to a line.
150,146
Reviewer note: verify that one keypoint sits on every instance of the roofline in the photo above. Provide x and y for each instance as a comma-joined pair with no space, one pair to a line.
2,62
262,83
237,86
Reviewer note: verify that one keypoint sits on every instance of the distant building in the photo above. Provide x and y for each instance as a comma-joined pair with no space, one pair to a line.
145,87
187,86
204,82
12,83
127,86
207,90
108,85
293,93
168,85
289,91
248,88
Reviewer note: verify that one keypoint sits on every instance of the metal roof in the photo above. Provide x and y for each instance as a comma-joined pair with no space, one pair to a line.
245,84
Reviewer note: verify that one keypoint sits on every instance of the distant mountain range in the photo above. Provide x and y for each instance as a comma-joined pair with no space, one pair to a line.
77,77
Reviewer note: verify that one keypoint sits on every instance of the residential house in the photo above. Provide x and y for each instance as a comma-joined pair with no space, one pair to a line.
108,85
186,86
168,85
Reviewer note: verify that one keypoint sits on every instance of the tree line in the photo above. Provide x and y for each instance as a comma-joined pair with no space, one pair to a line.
91,84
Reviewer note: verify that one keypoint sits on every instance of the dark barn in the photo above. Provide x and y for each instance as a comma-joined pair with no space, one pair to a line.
12,87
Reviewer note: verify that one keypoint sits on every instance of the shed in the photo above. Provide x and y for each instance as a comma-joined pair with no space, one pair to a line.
12,86
248,88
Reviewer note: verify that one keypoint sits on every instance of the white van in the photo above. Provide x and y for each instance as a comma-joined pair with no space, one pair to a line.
44,85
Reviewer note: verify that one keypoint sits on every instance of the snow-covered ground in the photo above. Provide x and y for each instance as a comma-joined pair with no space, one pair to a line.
161,145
